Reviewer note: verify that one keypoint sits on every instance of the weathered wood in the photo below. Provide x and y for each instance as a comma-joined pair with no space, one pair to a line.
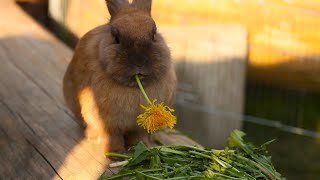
40,139
19,158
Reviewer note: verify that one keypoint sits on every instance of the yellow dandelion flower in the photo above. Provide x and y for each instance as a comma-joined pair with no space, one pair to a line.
156,116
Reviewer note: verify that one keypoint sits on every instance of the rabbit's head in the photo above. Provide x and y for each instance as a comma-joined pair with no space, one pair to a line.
134,46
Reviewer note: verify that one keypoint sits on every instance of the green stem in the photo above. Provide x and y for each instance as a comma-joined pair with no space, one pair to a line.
112,154
141,89
148,176
228,177
185,148
200,154
263,169
184,177
131,173
232,170
168,150
118,164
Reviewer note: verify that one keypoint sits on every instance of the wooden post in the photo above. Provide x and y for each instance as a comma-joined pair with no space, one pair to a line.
57,10
211,68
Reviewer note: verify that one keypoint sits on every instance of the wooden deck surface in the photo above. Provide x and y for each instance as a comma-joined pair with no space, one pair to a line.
39,137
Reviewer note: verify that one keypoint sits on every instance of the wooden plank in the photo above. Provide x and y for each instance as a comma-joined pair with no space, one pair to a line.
20,159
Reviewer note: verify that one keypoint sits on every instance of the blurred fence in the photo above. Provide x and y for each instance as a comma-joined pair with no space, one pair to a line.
284,37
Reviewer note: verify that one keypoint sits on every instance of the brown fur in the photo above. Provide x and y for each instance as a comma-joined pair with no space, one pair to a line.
99,85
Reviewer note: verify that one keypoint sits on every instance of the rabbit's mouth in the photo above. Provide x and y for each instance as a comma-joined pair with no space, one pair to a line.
144,78
141,76
131,81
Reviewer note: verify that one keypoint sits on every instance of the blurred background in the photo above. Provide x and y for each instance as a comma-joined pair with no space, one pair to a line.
247,64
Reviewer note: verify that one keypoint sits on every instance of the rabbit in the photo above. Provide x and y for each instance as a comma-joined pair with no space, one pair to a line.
99,85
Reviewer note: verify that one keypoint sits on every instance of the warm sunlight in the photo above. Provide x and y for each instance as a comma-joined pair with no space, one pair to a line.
84,161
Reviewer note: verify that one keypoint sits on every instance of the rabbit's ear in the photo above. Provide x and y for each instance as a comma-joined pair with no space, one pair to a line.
143,4
115,5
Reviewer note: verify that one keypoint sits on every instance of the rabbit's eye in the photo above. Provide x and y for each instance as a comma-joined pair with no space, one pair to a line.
153,37
154,32
115,34
117,39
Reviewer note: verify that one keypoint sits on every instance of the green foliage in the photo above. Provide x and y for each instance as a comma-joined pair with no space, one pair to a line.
140,154
245,162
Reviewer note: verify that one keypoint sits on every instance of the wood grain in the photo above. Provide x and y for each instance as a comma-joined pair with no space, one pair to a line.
19,158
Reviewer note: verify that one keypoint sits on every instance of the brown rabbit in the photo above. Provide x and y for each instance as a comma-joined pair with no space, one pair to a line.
99,85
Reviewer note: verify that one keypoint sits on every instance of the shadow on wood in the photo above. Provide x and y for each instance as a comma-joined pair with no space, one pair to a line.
32,99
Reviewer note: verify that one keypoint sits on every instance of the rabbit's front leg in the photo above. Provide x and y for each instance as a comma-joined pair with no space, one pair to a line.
132,137
96,129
